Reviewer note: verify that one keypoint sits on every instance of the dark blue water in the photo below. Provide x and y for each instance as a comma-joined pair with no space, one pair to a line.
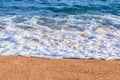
59,7
73,13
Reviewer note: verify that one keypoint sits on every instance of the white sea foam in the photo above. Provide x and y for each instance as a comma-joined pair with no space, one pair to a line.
102,43
98,40
80,22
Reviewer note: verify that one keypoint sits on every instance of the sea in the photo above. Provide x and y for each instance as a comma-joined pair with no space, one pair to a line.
78,29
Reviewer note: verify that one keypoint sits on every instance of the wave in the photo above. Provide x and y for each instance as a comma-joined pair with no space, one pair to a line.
60,28
101,43
73,36
78,22
59,7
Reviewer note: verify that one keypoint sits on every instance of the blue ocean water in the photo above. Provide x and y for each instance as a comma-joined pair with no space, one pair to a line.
59,7
71,13
60,28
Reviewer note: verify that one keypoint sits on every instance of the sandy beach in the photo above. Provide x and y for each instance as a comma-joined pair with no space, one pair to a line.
30,68
59,39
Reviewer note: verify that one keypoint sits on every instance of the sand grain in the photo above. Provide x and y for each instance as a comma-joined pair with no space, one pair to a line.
26,68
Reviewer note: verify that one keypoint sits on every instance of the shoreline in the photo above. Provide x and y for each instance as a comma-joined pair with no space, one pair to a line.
34,68
101,43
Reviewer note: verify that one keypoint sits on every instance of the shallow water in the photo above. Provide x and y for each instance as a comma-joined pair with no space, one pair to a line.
57,14
60,28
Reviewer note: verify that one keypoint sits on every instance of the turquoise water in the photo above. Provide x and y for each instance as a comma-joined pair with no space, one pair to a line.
90,10
60,28
59,7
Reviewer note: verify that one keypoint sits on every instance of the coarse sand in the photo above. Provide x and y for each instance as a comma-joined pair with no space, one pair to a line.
31,68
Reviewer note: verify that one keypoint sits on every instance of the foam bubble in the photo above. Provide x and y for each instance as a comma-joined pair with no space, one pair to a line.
101,43
71,22
73,36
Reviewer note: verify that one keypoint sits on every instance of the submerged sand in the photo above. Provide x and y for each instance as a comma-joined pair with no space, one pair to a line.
29,68
100,43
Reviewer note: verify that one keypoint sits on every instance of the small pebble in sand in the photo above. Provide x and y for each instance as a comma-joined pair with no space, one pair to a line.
34,40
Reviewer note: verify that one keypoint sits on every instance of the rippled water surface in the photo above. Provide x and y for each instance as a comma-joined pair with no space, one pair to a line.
60,28
62,13
59,7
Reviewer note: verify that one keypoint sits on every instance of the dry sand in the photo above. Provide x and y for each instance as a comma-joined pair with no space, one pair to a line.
26,68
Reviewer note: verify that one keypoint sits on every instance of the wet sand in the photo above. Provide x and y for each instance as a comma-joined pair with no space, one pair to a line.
30,68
